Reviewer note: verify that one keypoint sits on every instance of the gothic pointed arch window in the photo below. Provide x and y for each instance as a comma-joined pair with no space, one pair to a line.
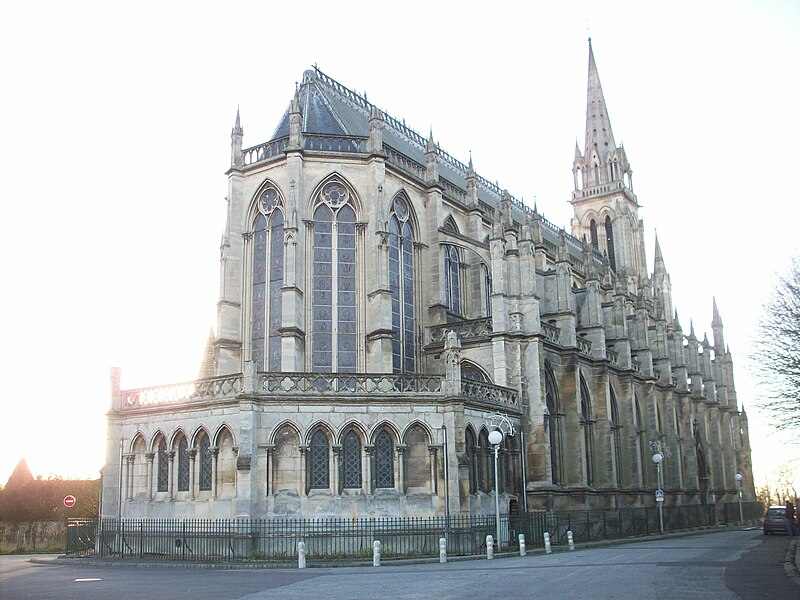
487,289
612,259
320,461
452,271
553,421
334,281
472,459
183,464
401,284
640,433
616,439
587,423
267,283
162,483
351,460
384,460
593,233
206,463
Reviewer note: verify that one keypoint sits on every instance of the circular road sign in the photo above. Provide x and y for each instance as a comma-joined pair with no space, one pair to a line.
69,501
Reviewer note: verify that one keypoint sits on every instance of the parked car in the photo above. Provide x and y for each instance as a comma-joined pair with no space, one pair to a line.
775,520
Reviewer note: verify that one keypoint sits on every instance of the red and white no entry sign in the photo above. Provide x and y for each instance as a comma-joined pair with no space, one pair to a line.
69,501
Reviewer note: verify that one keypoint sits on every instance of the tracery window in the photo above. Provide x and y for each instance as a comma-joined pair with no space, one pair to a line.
163,466
206,464
334,281
553,424
593,233
616,430
612,259
487,290
351,460
267,281
384,460
320,461
472,460
401,284
587,423
472,373
452,278
183,465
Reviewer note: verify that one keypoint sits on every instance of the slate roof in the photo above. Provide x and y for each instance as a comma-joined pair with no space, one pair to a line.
329,108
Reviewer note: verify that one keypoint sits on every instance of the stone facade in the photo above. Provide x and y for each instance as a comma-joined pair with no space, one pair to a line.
383,308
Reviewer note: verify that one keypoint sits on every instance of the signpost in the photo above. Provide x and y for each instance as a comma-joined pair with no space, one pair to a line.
69,501
659,495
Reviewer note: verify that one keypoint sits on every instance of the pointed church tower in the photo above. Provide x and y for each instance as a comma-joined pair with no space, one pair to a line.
606,209
662,286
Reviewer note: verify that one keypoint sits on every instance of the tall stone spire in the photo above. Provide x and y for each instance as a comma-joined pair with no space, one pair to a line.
598,126
237,133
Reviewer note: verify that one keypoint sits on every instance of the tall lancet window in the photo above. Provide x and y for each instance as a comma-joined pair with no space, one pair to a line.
593,233
587,423
452,272
267,282
401,284
334,281
612,260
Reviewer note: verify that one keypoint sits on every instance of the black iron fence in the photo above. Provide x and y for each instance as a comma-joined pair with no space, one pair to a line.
277,539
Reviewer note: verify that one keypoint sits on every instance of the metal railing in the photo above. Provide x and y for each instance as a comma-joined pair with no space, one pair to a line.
325,539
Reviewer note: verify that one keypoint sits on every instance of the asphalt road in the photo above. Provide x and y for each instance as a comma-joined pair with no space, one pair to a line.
715,565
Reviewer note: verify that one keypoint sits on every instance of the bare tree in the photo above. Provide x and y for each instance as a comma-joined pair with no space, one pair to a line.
777,351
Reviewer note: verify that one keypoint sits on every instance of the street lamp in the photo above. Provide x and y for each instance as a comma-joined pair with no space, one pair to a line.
495,439
739,493
657,458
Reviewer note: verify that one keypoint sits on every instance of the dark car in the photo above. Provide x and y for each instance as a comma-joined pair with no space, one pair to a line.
775,520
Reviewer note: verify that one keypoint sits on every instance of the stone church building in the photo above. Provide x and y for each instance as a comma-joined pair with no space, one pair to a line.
383,308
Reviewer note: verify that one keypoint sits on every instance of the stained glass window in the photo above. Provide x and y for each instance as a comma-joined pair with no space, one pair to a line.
384,461
163,466
593,233
206,464
320,465
472,463
183,465
612,259
616,429
487,290
334,282
351,450
401,284
267,282
452,278
588,432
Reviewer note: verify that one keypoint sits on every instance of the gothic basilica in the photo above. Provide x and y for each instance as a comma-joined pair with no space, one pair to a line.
384,308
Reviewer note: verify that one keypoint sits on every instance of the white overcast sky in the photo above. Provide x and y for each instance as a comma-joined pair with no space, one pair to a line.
115,127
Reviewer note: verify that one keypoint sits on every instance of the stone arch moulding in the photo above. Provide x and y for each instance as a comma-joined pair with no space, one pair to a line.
158,435
351,424
335,176
138,435
252,208
412,210
285,424
385,425
220,430
173,439
319,426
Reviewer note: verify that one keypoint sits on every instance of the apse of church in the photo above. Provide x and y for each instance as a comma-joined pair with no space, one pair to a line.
383,308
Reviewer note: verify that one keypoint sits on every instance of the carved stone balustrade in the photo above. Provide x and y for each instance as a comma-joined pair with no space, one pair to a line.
613,356
204,389
584,346
465,330
351,384
490,395
551,332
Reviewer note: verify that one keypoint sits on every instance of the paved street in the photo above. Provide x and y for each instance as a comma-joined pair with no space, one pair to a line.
717,565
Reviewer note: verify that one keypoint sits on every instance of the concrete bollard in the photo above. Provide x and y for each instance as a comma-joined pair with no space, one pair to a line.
569,541
489,547
522,544
301,555
376,553
547,548
442,550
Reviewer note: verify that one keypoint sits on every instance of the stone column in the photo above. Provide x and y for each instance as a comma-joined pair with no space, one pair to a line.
150,456
192,471
171,474
400,486
304,470
269,457
337,465
434,478
369,479
214,462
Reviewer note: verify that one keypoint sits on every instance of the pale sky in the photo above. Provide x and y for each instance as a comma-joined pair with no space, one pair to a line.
115,135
